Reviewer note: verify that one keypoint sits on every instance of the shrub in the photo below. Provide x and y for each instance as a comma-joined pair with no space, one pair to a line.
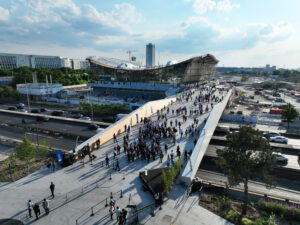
232,216
246,221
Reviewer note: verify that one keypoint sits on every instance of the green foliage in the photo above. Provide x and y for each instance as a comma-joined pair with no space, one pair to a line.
9,92
252,157
232,216
42,149
288,213
224,204
246,221
26,150
103,110
169,174
244,78
289,113
64,76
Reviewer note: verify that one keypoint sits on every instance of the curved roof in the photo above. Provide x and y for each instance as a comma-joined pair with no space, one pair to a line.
127,65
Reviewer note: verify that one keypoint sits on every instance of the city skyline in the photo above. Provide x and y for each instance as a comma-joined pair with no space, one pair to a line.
239,33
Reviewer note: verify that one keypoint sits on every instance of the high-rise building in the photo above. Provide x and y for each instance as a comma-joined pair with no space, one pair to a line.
150,55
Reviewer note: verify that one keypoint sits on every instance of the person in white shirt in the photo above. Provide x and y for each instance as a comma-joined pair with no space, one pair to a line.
29,206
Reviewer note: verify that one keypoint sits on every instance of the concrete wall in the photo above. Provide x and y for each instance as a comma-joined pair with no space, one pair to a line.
239,119
194,161
133,118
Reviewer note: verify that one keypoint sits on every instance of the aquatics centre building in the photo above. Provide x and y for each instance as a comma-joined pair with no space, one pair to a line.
193,70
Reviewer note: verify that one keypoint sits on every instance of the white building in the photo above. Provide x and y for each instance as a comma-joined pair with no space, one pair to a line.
80,64
12,61
39,89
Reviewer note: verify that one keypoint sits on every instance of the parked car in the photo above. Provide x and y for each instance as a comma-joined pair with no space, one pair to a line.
280,157
93,126
43,110
12,108
35,111
20,105
279,139
42,118
85,118
57,113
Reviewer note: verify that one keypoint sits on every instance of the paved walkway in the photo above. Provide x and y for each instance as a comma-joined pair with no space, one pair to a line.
80,188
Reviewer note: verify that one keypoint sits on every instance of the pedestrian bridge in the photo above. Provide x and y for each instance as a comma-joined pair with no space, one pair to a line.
206,134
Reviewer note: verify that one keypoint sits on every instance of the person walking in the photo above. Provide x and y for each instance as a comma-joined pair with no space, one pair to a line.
107,160
124,214
111,211
29,206
52,187
117,165
37,211
161,156
117,211
166,148
46,205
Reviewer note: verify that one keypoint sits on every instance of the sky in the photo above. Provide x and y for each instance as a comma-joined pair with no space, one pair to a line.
249,33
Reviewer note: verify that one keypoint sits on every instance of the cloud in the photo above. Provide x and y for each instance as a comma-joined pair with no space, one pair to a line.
4,15
203,6
226,5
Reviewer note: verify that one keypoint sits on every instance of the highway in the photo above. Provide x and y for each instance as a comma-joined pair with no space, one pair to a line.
293,162
286,189
72,128
18,133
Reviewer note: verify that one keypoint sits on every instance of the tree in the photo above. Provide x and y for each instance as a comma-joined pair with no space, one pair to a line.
289,113
244,78
26,151
248,155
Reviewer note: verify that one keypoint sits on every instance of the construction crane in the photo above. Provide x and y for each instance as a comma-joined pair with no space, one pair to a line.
129,54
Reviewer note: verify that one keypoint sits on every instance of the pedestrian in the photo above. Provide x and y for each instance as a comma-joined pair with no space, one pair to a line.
115,138
124,214
37,211
107,160
117,165
161,156
185,155
166,148
111,201
52,187
29,206
111,211
117,211
46,205
121,218
53,165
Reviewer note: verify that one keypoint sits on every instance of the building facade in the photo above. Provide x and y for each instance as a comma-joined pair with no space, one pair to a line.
150,55
12,61
196,69
39,89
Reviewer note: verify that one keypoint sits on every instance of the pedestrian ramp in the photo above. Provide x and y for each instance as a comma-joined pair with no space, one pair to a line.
206,134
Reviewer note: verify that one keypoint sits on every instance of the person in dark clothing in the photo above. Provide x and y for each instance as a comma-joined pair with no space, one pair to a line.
117,165
107,160
37,211
52,187
124,214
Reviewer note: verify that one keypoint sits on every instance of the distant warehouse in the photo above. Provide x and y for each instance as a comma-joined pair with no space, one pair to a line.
196,69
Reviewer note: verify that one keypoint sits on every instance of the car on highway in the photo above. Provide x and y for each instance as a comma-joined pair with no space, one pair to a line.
271,134
23,110
109,119
57,113
42,118
85,118
35,111
20,105
279,139
93,126
280,157
43,110
12,108
77,116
